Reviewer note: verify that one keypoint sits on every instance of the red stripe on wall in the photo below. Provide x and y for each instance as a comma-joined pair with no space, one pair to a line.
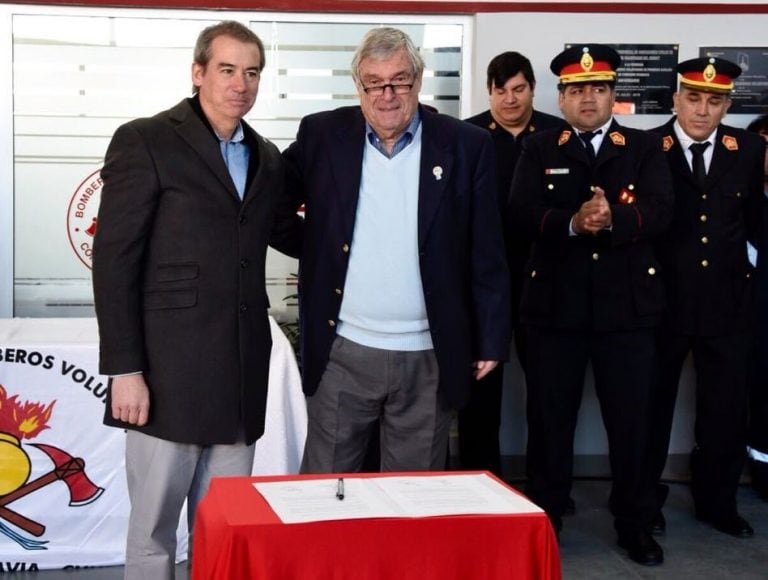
422,6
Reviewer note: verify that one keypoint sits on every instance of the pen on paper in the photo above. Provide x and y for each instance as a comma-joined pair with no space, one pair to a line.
340,488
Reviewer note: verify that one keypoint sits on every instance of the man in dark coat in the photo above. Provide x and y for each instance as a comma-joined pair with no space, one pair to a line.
187,209
718,180
593,197
510,119
758,406
403,286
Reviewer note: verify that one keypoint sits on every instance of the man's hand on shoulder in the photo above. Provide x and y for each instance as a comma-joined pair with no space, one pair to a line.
130,399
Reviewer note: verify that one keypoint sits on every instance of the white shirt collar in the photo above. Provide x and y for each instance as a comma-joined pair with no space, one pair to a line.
686,141
597,140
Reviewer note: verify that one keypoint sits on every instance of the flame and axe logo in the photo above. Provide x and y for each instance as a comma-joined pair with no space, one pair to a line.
24,421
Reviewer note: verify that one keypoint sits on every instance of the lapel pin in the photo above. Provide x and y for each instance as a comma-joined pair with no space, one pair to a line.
437,171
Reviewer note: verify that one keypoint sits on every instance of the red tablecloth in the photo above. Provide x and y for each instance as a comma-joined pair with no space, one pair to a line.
237,536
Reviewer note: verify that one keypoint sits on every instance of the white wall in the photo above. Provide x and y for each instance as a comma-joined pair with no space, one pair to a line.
540,36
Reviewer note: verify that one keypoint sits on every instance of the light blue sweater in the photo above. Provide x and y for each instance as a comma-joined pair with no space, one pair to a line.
383,301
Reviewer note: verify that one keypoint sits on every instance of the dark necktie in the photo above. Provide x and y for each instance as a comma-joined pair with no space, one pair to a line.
586,137
698,166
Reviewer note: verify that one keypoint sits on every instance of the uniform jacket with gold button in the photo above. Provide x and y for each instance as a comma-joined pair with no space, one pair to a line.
604,282
706,270
461,250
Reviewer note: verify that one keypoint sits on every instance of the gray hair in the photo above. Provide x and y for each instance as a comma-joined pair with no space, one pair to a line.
382,43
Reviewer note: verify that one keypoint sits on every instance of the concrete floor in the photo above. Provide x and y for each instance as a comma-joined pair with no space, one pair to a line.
691,549
588,544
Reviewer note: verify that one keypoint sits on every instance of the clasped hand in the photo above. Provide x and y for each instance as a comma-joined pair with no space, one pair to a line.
593,215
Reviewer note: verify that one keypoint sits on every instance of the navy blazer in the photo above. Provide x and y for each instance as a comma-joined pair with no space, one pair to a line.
714,299
461,251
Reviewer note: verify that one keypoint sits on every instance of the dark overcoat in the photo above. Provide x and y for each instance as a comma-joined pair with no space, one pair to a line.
178,274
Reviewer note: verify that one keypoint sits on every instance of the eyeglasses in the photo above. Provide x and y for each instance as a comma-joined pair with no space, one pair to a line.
377,91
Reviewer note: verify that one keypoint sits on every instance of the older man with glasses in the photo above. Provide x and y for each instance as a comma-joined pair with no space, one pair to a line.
404,290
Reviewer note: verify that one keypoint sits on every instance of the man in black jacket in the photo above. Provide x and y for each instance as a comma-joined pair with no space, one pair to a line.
404,298
510,119
189,203
593,197
718,182
758,406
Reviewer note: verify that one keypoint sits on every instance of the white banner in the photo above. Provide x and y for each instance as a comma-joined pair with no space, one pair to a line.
63,497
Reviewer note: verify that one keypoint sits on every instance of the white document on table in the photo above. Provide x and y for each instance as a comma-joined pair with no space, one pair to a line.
315,500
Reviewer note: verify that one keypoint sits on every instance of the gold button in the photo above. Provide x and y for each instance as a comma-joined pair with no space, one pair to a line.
338,291
652,271
595,256
704,240
703,217
345,248
705,263
331,323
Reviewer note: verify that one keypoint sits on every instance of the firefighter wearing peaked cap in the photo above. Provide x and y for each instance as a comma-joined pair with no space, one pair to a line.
591,291
717,173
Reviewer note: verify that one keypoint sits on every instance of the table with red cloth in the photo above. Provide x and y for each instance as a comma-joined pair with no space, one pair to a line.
239,536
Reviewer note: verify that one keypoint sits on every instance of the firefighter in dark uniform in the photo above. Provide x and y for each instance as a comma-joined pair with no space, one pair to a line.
757,450
510,119
593,197
718,183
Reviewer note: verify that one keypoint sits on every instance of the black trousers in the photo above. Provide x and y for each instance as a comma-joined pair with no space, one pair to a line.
721,414
479,422
623,365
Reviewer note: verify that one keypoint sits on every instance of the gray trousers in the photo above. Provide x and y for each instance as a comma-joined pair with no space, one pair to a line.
161,475
363,387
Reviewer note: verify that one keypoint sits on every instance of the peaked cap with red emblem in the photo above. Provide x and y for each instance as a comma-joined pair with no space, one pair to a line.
586,63
708,73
